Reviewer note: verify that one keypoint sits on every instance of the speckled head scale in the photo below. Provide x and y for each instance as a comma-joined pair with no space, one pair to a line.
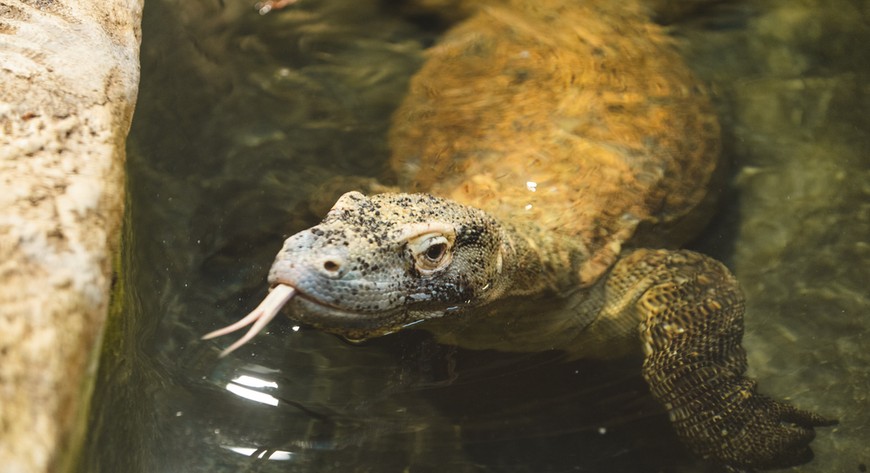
377,263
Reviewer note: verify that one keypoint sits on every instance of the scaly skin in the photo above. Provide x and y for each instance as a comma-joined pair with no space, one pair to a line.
588,100
556,133
377,264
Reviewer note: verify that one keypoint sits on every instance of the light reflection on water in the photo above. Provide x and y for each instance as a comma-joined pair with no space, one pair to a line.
238,387
241,117
277,455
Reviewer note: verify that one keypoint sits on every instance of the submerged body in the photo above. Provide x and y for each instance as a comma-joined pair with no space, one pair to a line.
573,121
544,144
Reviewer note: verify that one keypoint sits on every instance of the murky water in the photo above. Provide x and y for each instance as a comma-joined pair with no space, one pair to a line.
241,117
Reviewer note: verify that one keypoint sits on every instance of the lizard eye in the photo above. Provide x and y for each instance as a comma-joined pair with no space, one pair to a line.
431,252
435,252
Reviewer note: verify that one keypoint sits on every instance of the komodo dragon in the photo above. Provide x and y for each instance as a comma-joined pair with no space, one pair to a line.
545,146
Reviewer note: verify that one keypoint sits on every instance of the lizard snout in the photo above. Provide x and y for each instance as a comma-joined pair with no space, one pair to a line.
312,261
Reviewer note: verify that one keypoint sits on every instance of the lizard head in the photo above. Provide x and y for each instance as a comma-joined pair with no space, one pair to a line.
377,264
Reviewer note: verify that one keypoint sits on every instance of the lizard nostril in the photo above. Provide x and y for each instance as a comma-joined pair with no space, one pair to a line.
332,267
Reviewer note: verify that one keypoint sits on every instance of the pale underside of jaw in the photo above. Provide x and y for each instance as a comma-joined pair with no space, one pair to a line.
260,317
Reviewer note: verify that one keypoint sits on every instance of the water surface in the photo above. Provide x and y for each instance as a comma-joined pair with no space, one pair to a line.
242,116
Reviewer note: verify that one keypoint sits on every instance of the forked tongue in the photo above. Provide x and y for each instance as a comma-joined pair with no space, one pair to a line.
260,317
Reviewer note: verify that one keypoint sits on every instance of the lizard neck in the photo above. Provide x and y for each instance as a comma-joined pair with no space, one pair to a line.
535,264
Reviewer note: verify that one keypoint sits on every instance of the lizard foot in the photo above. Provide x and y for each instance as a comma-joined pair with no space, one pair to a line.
720,415
692,328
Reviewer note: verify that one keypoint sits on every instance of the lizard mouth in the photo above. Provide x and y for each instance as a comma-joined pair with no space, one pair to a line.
349,324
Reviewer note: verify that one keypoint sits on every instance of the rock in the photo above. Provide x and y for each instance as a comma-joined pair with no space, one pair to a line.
70,74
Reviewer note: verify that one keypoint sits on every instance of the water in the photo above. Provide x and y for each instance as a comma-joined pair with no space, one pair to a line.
241,117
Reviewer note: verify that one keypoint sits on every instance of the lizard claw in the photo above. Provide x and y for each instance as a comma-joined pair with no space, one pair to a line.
773,434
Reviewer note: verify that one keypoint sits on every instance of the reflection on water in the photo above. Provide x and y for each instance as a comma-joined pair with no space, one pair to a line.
241,116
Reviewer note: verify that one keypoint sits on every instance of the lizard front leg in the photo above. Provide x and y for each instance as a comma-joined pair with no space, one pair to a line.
689,310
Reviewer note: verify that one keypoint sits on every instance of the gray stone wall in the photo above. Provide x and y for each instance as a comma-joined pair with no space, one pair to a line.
69,72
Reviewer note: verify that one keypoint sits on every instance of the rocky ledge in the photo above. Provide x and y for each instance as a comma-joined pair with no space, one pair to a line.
70,72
